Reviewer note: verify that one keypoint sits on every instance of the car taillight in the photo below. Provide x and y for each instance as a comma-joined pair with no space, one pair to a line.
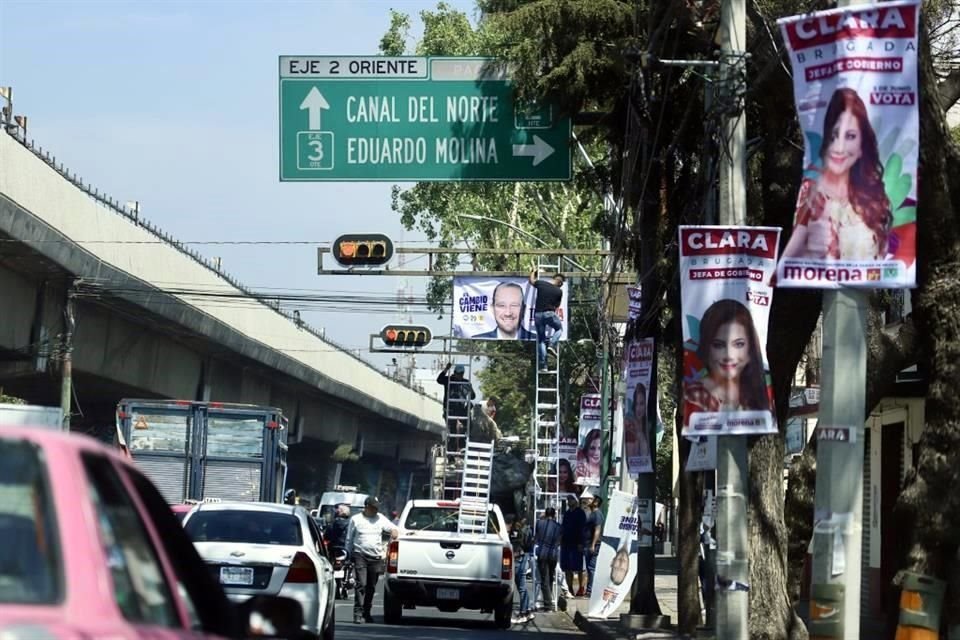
393,556
506,566
302,569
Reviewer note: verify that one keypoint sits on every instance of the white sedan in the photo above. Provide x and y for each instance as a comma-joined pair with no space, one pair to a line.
256,548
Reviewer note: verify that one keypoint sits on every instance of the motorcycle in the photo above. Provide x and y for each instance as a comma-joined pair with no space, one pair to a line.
343,573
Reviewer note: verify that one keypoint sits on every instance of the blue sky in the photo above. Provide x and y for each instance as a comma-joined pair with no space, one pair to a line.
174,104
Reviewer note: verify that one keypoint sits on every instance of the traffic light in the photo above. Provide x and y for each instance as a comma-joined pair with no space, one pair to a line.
405,335
363,249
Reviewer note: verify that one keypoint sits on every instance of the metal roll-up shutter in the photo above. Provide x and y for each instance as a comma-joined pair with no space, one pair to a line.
232,480
167,473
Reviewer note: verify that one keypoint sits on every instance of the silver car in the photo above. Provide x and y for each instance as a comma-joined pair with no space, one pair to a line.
256,548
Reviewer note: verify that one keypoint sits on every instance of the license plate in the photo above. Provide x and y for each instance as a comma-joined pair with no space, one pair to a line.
338,573
448,594
236,575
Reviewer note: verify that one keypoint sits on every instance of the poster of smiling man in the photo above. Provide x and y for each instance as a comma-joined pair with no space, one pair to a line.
725,298
498,308
617,560
855,87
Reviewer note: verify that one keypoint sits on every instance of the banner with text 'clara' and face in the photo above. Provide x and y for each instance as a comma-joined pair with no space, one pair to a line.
498,308
725,290
638,369
856,91
590,441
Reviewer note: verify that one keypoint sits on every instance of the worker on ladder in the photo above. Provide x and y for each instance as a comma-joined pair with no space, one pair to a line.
549,297
457,394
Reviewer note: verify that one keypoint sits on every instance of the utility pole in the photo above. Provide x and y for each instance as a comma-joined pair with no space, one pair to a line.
838,502
66,372
732,469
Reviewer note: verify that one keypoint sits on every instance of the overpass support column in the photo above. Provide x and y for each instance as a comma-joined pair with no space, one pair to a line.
66,372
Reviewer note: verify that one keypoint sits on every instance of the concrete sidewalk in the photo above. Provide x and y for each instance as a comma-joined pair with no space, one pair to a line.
665,583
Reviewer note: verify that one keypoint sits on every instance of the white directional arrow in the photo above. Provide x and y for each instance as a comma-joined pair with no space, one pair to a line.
539,150
313,103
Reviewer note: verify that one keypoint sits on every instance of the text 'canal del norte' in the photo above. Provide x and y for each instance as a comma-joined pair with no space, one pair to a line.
355,118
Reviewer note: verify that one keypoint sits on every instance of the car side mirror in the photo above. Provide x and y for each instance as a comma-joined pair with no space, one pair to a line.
273,617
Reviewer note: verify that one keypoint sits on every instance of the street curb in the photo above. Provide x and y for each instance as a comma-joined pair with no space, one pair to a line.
593,629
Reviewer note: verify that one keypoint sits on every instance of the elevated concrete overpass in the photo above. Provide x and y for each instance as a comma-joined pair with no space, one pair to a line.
137,336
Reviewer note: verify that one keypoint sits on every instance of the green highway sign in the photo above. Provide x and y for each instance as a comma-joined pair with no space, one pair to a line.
369,118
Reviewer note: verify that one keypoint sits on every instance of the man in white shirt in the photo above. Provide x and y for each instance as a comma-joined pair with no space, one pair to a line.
365,545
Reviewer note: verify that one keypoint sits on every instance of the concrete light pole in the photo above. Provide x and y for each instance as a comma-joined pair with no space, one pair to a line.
66,371
732,469
838,501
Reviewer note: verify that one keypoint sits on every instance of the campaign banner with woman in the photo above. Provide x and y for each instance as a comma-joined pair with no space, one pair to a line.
725,296
566,457
855,87
638,367
617,559
498,308
590,441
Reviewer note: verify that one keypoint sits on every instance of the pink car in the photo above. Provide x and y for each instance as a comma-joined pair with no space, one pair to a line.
91,550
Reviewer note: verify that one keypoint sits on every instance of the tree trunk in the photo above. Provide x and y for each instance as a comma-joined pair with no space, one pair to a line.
688,539
930,504
772,616
792,321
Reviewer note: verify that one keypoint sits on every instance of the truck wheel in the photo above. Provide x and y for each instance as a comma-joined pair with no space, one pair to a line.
392,610
502,615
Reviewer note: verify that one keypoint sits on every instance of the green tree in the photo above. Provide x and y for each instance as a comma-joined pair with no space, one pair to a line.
659,143
509,216
580,53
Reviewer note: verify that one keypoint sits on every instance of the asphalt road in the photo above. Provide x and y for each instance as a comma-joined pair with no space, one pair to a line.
430,624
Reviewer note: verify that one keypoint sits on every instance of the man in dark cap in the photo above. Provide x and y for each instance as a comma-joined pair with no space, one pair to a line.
365,545
457,391
457,396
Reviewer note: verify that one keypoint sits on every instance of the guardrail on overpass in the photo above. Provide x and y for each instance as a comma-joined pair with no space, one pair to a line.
73,212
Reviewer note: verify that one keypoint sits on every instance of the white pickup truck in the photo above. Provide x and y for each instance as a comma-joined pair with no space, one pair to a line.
431,565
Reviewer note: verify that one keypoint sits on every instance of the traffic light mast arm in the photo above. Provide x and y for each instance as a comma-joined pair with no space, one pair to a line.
430,252
451,345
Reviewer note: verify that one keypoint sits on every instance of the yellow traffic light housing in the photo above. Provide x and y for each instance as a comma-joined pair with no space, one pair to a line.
405,335
362,249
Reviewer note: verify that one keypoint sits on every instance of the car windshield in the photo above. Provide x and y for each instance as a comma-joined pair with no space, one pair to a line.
440,519
252,527
29,556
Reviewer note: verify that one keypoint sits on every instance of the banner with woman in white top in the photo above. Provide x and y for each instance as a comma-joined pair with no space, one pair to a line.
856,91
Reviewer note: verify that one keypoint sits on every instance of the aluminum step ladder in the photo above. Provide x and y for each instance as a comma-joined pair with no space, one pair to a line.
438,471
546,416
475,488
459,409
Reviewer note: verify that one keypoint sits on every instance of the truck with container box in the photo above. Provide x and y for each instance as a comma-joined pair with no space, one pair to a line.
198,451
31,415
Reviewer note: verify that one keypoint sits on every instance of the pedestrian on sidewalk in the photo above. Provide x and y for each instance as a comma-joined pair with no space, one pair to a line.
365,545
572,546
547,550
521,539
592,533
549,297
